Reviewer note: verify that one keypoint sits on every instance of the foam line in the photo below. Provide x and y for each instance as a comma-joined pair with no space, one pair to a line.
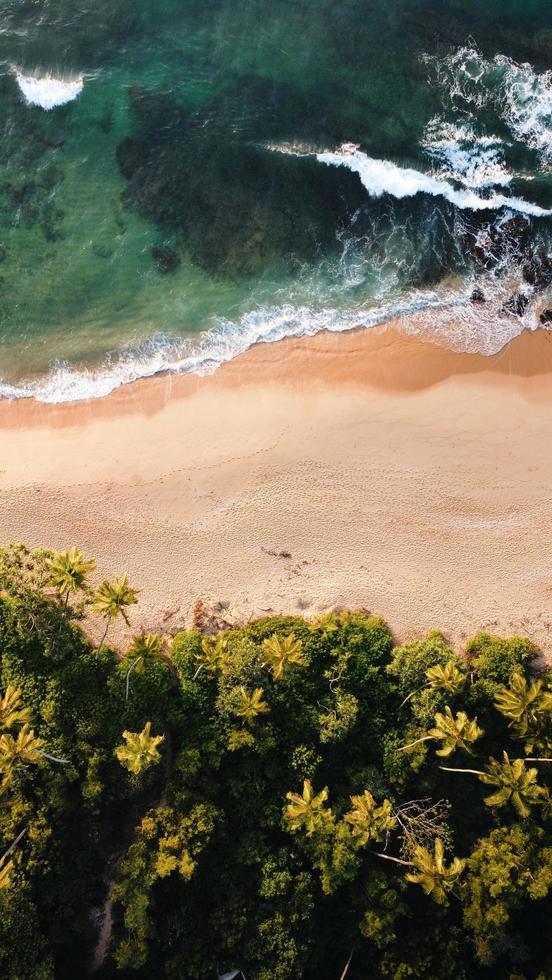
384,177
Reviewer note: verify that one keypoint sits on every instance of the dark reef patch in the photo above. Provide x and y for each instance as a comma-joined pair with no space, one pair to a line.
234,204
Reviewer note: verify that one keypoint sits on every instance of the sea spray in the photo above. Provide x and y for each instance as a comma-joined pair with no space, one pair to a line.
46,91
384,177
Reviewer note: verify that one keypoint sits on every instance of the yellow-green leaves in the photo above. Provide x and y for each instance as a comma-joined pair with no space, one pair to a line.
515,784
434,876
112,599
6,868
12,712
145,649
213,656
281,652
250,706
20,751
140,751
448,678
368,820
528,707
454,732
306,811
68,571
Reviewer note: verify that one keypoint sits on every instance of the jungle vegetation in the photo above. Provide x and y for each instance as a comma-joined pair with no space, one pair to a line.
292,799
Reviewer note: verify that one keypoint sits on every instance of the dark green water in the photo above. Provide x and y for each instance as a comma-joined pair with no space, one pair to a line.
179,179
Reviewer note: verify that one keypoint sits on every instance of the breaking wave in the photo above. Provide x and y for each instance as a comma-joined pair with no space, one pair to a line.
461,155
47,91
384,177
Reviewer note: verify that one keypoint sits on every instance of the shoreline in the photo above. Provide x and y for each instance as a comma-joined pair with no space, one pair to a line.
400,477
384,357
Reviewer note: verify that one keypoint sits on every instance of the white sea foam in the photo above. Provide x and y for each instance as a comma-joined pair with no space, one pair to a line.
521,97
461,155
444,313
384,177
47,91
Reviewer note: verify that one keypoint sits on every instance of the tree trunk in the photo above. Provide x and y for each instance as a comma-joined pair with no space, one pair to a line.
426,738
102,641
473,772
387,857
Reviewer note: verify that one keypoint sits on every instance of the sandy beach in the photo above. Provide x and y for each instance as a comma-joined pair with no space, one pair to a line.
368,469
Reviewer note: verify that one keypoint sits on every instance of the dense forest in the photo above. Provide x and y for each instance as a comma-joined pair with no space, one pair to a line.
292,799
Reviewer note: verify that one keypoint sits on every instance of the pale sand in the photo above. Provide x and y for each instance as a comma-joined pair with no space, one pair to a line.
399,476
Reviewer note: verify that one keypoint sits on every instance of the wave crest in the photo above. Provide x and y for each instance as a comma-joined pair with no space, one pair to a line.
384,177
47,91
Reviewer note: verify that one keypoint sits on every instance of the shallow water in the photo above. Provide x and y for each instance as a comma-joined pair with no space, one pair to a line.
181,179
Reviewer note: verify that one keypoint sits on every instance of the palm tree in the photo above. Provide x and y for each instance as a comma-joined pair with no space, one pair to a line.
369,821
307,810
448,678
146,648
433,874
515,784
281,651
11,712
454,732
522,703
140,752
68,572
213,654
23,750
250,705
112,599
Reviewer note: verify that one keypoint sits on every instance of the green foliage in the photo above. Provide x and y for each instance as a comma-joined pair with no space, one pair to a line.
455,732
307,810
281,652
215,858
140,751
494,659
368,821
433,874
68,571
515,785
506,871
420,668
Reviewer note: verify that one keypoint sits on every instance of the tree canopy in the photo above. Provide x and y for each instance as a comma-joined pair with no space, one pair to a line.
291,799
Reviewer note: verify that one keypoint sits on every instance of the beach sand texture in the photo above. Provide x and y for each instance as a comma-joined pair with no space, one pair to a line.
368,469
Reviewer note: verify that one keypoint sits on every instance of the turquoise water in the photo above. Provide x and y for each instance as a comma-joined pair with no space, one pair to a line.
181,179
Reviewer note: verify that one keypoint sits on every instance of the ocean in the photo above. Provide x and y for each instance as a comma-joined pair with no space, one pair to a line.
180,179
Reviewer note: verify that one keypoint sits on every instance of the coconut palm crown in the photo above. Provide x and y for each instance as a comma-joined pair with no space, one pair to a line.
140,751
306,810
448,678
436,878
16,752
146,648
455,732
68,572
12,712
281,652
250,706
523,703
515,784
368,820
112,599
